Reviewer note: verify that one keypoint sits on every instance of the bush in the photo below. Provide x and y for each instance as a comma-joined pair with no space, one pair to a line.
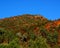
52,37
14,43
2,32
3,46
32,36
40,42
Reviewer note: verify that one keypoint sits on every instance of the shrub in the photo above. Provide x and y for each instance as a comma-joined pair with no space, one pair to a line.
14,43
32,36
52,37
40,42
6,35
3,46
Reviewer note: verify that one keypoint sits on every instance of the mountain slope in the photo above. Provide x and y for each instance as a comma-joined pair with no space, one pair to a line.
30,28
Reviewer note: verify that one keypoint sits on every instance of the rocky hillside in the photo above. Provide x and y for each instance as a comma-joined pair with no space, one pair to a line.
29,31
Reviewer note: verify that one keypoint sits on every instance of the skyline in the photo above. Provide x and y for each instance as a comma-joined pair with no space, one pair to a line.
50,9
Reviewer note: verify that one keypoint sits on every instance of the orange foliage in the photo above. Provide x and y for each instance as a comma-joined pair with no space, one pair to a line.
47,26
57,22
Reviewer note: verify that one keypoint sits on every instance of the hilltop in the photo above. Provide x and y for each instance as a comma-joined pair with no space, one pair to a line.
31,31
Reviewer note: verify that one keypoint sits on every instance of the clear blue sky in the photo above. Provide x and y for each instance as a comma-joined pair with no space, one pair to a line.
48,8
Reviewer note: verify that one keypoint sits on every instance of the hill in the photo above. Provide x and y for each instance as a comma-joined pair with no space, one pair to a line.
29,31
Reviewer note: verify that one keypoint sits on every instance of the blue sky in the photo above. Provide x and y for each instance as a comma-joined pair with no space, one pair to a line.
48,8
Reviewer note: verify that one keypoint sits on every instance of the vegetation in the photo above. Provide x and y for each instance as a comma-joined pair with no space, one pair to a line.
29,31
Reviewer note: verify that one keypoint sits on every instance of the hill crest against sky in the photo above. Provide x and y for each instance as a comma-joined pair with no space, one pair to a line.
32,26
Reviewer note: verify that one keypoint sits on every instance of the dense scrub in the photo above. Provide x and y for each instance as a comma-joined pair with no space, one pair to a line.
29,31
